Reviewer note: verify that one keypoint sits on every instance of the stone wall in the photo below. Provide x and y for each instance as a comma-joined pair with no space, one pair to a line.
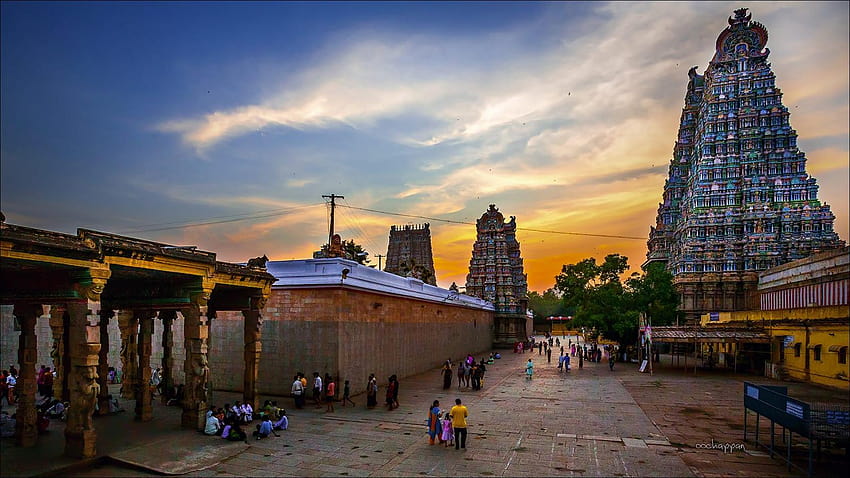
348,333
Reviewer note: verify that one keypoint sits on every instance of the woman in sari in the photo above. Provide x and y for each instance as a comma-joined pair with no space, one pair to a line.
447,376
434,425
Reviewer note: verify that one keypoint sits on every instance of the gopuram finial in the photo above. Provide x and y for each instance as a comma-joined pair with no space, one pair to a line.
741,16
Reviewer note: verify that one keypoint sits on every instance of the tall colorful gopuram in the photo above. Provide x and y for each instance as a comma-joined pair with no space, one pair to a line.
737,199
496,274
409,252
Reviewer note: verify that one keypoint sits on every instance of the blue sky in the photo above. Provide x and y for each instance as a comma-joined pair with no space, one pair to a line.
132,117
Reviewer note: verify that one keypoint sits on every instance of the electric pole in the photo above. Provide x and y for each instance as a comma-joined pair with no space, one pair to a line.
332,197
379,261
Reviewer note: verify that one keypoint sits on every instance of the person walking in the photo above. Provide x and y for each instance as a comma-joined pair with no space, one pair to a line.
331,391
529,370
372,391
434,425
346,394
317,389
611,361
390,392
297,391
549,354
447,375
458,414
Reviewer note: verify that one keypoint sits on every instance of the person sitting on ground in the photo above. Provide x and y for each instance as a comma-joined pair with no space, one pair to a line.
235,433
247,412
282,423
213,426
264,429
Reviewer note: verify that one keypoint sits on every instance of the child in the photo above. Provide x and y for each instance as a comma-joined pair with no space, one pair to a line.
346,394
283,423
448,432
329,392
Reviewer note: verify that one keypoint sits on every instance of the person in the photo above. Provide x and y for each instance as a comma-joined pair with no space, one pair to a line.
458,414
371,391
390,387
447,375
282,423
434,425
395,391
114,406
234,433
460,373
156,380
561,361
11,381
39,381
611,362
566,363
213,426
549,354
331,390
297,392
48,382
264,429
448,437
467,373
580,361
247,412
317,389
529,370
346,394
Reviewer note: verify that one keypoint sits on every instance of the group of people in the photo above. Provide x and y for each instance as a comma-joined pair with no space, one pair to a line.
324,391
469,372
8,382
227,422
448,428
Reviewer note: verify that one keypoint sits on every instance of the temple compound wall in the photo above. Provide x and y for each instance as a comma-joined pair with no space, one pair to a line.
338,317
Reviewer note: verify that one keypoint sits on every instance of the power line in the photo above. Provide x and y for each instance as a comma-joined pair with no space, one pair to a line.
615,236
232,218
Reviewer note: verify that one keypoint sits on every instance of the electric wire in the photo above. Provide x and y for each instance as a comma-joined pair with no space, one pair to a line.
545,231
216,220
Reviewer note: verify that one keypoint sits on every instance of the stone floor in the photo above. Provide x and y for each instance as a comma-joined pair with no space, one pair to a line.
589,422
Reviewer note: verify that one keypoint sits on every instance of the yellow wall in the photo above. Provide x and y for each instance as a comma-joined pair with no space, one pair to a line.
827,370
811,313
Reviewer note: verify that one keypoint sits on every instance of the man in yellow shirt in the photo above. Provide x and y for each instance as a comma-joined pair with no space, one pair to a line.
459,414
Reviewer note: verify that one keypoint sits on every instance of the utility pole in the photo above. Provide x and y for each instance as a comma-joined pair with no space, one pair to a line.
379,256
332,197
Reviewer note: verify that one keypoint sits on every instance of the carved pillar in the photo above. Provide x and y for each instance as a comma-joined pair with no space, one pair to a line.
103,362
26,432
195,366
129,325
253,326
58,353
144,411
167,317
80,435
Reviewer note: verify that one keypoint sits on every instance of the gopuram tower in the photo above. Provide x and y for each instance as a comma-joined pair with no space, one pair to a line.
409,252
737,199
496,275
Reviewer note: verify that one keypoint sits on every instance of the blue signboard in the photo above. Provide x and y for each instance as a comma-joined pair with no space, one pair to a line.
714,316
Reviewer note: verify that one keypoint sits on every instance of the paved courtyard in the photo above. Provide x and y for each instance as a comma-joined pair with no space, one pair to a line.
582,423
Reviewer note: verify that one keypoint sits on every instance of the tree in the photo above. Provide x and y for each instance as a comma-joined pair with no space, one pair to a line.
355,252
544,305
597,295
654,295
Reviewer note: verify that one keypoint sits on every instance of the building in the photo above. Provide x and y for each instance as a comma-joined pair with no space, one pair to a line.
804,310
737,199
409,252
496,275
349,320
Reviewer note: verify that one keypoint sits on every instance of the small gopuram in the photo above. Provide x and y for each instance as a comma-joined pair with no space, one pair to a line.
409,252
85,281
737,199
496,275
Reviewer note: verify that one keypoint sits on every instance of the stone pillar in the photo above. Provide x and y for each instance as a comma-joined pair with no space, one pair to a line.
80,435
57,352
195,366
129,325
253,326
144,412
167,317
26,433
103,362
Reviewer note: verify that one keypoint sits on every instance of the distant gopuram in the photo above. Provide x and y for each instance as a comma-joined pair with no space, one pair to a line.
737,199
496,275
409,253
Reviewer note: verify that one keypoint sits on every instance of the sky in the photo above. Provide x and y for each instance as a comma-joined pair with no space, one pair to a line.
221,125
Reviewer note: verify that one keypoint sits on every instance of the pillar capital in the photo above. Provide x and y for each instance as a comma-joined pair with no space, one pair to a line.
89,283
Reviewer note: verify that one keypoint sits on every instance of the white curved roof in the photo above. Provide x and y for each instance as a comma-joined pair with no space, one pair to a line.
328,272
